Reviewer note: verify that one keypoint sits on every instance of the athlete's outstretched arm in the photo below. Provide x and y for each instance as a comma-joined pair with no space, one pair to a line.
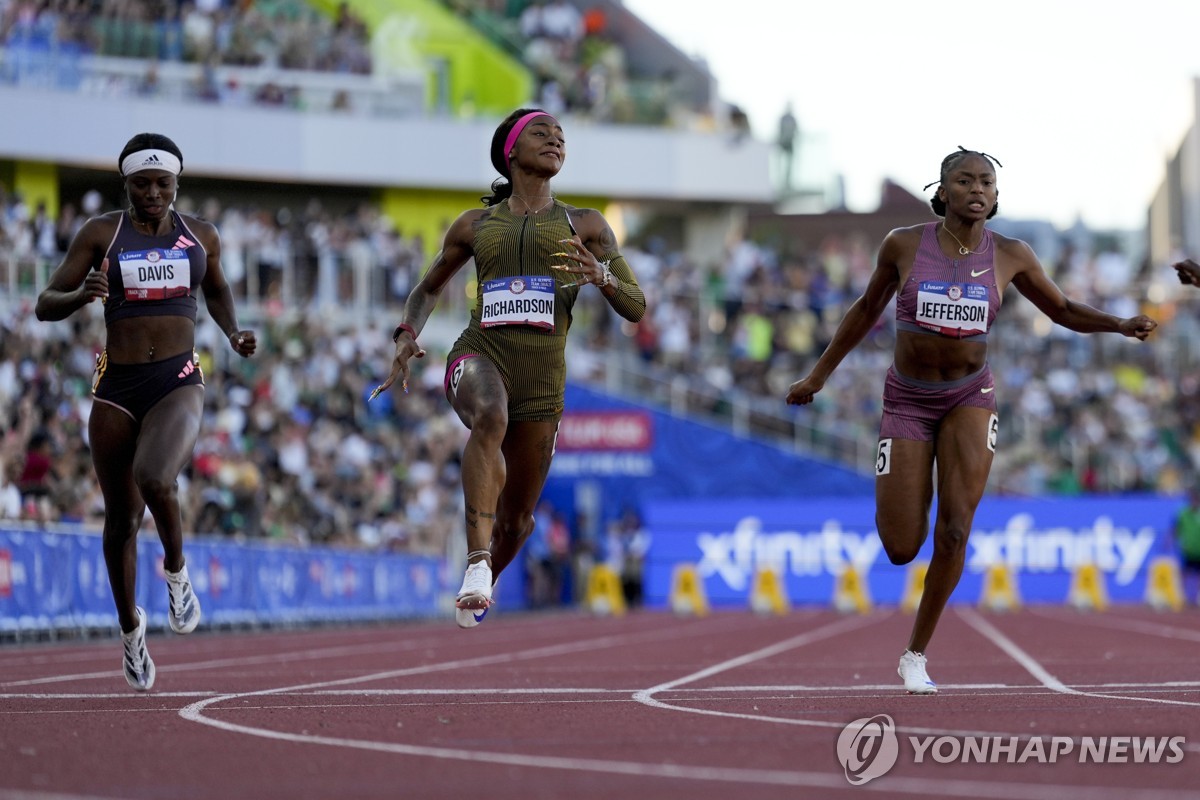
1188,271
858,321
1032,281
458,247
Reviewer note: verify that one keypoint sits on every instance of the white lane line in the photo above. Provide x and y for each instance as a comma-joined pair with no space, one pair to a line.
865,690
21,794
1027,662
1123,624
1031,665
338,651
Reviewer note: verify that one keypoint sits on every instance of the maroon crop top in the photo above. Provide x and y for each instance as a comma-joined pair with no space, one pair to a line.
950,297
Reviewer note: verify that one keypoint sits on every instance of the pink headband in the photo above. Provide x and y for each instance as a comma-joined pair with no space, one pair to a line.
519,126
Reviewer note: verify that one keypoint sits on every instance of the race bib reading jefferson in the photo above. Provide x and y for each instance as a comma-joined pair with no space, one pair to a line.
954,309
155,274
523,300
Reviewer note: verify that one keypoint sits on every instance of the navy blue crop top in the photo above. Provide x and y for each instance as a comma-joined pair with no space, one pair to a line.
153,276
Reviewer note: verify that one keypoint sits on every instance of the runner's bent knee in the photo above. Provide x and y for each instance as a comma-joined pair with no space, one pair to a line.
952,537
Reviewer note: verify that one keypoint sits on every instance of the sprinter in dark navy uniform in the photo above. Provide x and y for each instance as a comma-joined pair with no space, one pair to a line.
146,265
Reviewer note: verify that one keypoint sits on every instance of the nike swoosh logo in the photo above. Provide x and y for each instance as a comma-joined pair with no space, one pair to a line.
988,389
479,617
975,274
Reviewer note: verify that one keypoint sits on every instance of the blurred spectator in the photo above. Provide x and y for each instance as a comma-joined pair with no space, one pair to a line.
10,496
627,543
789,132
36,478
1186,532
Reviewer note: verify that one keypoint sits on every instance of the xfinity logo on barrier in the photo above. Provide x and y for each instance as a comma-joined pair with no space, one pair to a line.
869,747
1119,551
736,555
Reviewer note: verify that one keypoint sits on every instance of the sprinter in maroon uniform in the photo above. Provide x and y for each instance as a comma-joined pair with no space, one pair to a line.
939,401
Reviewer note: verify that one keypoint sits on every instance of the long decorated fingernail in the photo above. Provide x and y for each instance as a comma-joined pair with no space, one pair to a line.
375,393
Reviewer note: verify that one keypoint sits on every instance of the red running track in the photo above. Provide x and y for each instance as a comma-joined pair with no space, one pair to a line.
649,705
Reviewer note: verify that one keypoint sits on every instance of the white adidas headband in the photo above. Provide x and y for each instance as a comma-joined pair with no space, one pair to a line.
151,159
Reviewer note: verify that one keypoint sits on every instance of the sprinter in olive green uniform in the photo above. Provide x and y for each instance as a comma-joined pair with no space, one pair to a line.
506,373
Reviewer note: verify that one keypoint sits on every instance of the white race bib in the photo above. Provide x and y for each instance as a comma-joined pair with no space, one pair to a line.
955,309
155,274
524,300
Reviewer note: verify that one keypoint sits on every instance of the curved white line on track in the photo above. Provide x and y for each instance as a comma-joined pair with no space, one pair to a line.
646,696
1031,665
195,712
829,780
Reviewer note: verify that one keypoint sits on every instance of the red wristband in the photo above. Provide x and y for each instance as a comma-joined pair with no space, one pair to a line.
404,326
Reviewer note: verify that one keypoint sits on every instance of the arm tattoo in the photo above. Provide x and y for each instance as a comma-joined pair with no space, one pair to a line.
608,240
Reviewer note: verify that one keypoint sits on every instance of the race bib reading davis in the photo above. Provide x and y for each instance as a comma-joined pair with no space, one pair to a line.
155,274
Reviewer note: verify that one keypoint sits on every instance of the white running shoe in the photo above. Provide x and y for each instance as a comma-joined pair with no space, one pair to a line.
475,597
137,665
912,670
183,612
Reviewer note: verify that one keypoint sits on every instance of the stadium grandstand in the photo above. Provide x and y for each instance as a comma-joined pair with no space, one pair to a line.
332,143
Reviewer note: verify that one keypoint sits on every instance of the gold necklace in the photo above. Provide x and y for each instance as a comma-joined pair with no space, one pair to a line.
530,209
963,250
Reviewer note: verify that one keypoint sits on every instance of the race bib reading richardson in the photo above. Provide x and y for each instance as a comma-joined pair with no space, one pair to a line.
523,300
155,274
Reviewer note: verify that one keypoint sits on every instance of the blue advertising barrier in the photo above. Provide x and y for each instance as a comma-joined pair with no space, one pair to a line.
809,542
632,453
57,580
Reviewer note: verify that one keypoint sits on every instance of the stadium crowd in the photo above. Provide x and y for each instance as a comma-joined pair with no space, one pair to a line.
289,34
579,65
291,449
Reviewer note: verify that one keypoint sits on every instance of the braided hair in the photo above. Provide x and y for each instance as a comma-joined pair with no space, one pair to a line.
948,164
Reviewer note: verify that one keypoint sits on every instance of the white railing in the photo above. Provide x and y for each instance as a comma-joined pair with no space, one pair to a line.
391,94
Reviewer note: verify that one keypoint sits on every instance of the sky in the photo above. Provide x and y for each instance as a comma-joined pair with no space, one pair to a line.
1082,102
